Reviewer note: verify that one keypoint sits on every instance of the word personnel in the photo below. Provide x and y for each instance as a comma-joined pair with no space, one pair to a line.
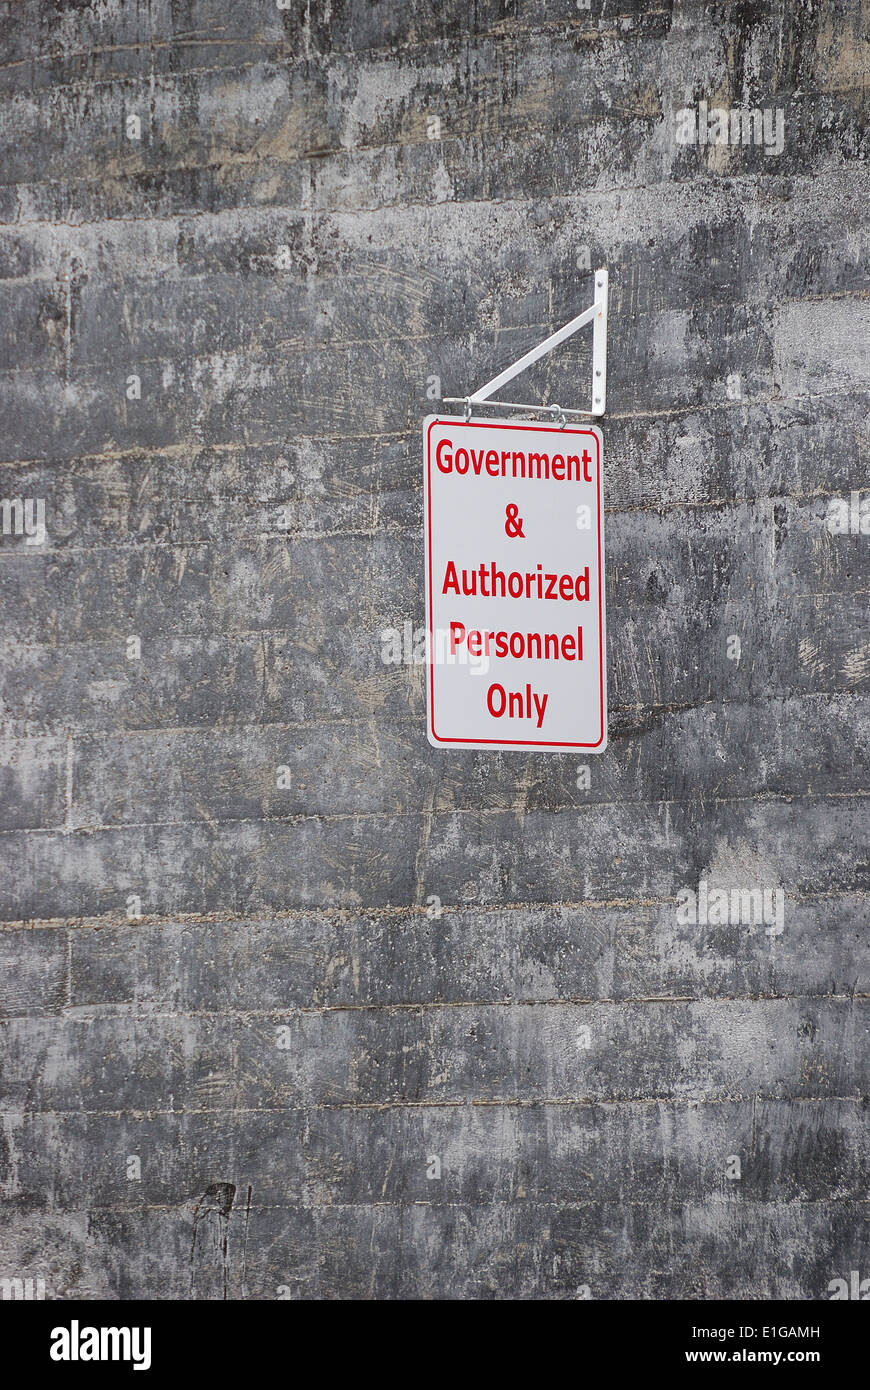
515,614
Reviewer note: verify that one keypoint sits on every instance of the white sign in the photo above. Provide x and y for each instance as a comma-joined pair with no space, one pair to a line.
514,546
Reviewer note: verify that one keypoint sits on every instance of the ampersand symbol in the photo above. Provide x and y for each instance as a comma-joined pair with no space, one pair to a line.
513,525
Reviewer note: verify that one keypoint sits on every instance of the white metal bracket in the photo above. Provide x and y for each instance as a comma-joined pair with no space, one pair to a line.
596,314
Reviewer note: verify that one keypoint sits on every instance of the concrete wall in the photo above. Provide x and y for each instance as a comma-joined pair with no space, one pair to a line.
241,976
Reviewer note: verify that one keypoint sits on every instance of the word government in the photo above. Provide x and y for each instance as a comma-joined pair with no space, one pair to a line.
514,463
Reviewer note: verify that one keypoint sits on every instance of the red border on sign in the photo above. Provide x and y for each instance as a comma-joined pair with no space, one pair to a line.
543,429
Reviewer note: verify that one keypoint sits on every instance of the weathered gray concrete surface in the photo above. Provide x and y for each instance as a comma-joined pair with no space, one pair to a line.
238,1034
